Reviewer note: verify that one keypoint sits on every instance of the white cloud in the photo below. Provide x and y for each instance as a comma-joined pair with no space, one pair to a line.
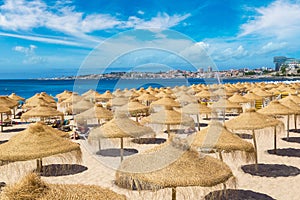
230,53
161,21
280,19
271,47
29,52
22,15
141,12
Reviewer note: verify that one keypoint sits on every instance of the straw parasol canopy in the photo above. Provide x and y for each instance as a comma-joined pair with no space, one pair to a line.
253,97
295,98
97,112
37,142
119,127
251,120
42,111
237,98
91,95
275,108
216,137
292,105
118,101
226,104
107,95
205,94
16,97
63,96
6,110
147,97
169,166
166,101
262,93
81,106
134,108
8,102
36,101
168,116
74,98
32,187
47,97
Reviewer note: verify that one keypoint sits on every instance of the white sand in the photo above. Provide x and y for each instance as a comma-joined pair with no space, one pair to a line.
100,173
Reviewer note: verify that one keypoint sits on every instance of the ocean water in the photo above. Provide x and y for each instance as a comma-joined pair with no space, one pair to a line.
27,88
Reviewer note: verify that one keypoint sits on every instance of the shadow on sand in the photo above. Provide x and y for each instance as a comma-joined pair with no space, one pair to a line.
295,130
148,140
13,130
2,184
116,152
236,195
292,139
289,152
62,169
3,141
244,136
271,170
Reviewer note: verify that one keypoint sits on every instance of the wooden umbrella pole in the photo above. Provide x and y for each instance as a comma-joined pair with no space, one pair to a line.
1,122
220,155
122,150
99,145
198,122
38,168
255,147
136,118
288,127
173,193
41,164
275,140
295,121
168,129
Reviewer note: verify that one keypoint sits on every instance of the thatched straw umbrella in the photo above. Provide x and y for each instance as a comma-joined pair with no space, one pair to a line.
168,116
16,97
171,165
74,98
237,98
253,97
119,127
37,142
147,97
184,98
43,112
106,96
196,109
81,106
295,98
36,101
8,102
251,120
97,112
118,92
275,108
205,94
225,105
47,97
6,110
32,187
135,109
166,101
217,138
63,96
118,101
292,105
91,95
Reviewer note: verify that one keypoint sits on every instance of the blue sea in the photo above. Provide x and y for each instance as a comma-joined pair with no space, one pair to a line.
27,88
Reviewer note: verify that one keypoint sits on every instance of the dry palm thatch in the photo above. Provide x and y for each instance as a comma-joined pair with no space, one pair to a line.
42,111
217,138
119,127
226,104
37,142
236,98
36,101
166,101
292,105
205,94
81,106
170,166
251,120
6,110
8,102
118,101
74,98
16,97
168,117
295,98
184,98
253,97
118,92
134,108
63,96
47,97
262,93
275,108
97,112
107,95
91,95
31,187
147,97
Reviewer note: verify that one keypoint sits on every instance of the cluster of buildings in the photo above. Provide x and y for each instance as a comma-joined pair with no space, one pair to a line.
289,64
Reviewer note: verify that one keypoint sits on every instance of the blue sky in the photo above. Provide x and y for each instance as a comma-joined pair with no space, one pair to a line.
54,38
